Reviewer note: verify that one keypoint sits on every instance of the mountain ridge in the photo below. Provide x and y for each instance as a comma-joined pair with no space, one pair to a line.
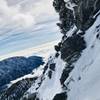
72,73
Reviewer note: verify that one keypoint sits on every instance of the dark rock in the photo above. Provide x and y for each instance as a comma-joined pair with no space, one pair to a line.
60,96
84,12
98,26
57,48
65,74
97,36
50,74
60,44
64,37
79,78
45,68
52,66
82,16
32,96
82,33
16,91
57,55
65,15
72,46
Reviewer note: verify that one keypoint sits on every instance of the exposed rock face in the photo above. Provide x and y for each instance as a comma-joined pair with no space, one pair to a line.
65,15
81,14
84,12
60,96
71,46
72,13
17,90
65,74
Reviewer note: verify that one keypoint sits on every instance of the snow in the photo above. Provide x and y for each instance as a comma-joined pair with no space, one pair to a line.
85,75
71,31
35,73
84,80
70,6
50,87
44,51
87,68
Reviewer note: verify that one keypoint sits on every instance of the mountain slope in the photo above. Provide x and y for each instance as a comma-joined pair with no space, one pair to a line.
72,73
77,76
15,67
86,72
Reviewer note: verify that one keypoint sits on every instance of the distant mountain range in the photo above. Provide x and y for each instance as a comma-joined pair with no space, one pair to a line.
15,67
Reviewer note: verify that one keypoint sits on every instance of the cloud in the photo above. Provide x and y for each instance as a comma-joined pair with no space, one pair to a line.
13,15
25,13
24,20
26,23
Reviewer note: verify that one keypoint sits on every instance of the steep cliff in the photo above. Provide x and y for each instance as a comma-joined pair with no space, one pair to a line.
72,73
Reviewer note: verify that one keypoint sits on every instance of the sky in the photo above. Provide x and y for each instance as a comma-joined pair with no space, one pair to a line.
26,23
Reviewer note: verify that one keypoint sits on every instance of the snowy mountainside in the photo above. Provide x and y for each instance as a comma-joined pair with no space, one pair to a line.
72,73
47,83
19,86
86,72
14,68
81,78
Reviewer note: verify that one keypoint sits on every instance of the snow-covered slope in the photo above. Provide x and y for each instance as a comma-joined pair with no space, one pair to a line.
83,81
76,77
15,67
86,74
72,73
49,82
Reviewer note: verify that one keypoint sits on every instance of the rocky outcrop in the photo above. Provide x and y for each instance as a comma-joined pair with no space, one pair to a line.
84,12
60,96
72,46
79,13
65,15
17,90
76,12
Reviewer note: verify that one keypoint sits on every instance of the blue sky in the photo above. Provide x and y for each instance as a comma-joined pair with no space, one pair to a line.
26,23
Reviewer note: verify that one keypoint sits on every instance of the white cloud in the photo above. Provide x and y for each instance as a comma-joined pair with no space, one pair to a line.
26,23
25,13
24,20
13,15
